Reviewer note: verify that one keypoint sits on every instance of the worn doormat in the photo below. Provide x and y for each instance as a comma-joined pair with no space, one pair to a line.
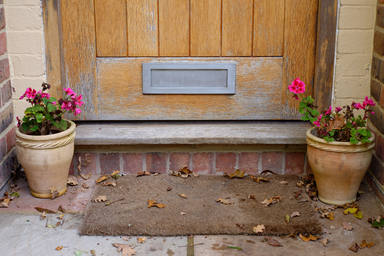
197,211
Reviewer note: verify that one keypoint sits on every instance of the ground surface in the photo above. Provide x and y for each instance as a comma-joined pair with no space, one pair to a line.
22,232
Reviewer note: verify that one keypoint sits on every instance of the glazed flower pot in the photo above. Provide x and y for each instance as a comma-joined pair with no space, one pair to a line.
46,160
338,167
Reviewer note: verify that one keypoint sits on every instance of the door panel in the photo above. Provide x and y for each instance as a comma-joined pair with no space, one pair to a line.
105,42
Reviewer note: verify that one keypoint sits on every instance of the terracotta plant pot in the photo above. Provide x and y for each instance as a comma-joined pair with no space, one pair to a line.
338,167
46,160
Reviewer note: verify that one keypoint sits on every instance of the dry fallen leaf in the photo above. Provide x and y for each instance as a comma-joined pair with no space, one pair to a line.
259,229
258,179
100,199
236,174
183,173
287,218
43,215
183,196
59,248
101,178
143,173
308,238
325,242
93,252
365,244
40,209
183,213
85,186
169,189
141,239
115,173
326,213
224,201
72,180
251,196
272,200
347,226
125,249
5,203
354,247
283,182
272,242
109,183
295,214
153,203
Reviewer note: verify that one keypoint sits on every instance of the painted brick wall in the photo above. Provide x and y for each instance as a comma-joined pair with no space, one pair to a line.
355,32
377,92
25,47
7,126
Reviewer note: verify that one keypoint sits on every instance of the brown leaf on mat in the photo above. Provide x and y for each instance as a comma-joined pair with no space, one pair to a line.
326,213
258,179
101,178
183,213
143,173
153,203
183,173
183,196
61,209
325,242
295,214
252,196
40,209
272,242
308,238
59,248
224,201
347,226
283,182
100,199
272,200
141,239
72,180
5,203
114,173
259,229
365,244
85,186
109,183
125,249
354,247
236,174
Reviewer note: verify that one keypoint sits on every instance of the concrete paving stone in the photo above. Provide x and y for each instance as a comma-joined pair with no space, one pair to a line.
23,235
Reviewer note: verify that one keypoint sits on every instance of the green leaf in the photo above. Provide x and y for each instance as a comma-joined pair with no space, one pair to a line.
52,99
34,128
51,107
39,117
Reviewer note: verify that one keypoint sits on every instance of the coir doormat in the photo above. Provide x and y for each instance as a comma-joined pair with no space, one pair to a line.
204,205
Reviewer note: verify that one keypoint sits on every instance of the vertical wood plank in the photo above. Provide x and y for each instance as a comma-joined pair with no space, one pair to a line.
52,46
325,52
205,28
142,19
111,27
79,52
299,49
174,27
237,28
268,28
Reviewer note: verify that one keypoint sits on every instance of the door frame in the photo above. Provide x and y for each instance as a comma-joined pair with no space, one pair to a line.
322,81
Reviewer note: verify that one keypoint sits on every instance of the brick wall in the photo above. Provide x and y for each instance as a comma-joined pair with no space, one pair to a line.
25,47
377,92
353,50
7,127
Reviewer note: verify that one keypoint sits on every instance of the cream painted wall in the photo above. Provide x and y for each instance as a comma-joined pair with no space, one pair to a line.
25,41
353,50
354,45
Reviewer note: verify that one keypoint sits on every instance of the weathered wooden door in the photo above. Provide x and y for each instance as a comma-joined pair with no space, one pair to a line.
105,42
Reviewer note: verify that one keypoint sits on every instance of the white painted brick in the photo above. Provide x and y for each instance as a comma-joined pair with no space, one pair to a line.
360,17
19,107
22,2
355,41
24,18
353,64
352,87
358,2
25,42
27,65
346,101
21,84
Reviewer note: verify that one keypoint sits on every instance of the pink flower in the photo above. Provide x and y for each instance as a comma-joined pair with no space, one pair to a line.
77,100
357,105
18,121
69,91
373,112
53,102
338,109
329,111
368,102
77,111
29,93
317,122
297,86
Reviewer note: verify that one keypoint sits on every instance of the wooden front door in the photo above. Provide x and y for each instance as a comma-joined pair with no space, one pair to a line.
105,42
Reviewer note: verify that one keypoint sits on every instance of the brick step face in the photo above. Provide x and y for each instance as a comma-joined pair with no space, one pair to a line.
208,163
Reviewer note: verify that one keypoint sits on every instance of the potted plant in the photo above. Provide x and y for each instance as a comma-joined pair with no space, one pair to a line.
45,140
339,146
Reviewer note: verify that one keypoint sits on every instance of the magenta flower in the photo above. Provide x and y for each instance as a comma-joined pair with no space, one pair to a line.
357,105
297,86
77,111
29,93
18,121
69,91
317,122
373,112
368,102
338,109
329,111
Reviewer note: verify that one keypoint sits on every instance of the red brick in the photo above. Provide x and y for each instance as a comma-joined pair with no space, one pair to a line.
132,162
3,147
225,162
4,70
377,167
178,160
378,69
6,117
380,16
294,163
88,162
2,18
109,162
11,139
156,162
272,161
3,43
379,147
6,93
376,90
378,45
202,162
249,162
